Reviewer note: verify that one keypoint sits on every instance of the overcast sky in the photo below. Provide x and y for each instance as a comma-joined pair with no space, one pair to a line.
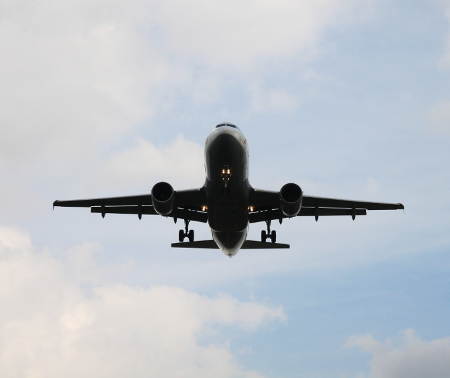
347,98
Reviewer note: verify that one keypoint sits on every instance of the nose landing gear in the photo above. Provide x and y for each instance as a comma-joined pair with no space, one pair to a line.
272,235
186,233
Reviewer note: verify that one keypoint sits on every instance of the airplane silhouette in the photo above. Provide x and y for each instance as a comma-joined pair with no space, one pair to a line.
227,201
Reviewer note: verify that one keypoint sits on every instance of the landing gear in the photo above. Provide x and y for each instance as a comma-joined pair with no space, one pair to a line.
272,235
181,235
186,233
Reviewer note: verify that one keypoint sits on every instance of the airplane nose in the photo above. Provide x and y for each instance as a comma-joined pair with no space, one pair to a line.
225,146
224,139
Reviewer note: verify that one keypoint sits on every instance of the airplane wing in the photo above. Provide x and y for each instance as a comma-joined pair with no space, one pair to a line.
266,206
309,201
188,205
143,199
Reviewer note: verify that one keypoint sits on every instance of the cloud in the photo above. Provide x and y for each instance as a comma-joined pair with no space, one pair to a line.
270,99
180,162
241,34
408,357
77,74
51,325
72,73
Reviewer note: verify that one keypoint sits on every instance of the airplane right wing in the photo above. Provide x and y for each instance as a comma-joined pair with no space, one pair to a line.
309,201
266,206
189,205
143,199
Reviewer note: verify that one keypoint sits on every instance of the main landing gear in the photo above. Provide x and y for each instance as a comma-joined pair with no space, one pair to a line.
186,233
272,235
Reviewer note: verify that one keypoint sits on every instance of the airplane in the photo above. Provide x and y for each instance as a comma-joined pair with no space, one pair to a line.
227,201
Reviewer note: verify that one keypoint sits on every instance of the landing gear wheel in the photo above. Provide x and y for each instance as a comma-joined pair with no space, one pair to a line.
263,236
273,236
191,235
181,235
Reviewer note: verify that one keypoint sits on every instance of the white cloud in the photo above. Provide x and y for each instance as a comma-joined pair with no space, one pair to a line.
77,73
242,34
72,73
77,76
272,99
409,357
51,326
180,163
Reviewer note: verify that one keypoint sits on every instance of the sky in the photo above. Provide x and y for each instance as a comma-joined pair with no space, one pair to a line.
349,99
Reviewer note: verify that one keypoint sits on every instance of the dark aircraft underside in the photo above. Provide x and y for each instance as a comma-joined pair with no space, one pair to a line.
227,202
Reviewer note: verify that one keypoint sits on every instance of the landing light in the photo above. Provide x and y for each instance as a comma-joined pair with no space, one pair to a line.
204,208
251,208
225,175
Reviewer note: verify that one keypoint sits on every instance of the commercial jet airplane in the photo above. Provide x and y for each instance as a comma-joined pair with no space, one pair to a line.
227,201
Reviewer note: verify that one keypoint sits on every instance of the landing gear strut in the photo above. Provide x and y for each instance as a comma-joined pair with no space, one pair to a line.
186,233
272,235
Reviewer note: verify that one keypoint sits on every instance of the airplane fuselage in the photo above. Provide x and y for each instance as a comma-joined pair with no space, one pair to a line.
227,187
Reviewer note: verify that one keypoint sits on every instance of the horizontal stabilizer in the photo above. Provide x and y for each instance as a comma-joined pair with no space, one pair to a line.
205,244
248,244
254,244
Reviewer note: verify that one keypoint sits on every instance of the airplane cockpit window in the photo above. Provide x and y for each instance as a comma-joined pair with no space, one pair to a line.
226,124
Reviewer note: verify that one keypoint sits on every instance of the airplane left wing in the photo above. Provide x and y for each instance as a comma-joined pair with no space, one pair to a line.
143,199
191,215
266,215
188,205
266,206
309,201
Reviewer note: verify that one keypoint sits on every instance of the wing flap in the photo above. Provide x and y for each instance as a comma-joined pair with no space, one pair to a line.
326,212
144,210
262,216
196,216
309,201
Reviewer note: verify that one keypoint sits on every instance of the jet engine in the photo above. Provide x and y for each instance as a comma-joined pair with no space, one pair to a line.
290,199
163,197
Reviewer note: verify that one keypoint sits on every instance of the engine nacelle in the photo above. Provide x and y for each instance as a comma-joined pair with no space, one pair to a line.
290,199
163,197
